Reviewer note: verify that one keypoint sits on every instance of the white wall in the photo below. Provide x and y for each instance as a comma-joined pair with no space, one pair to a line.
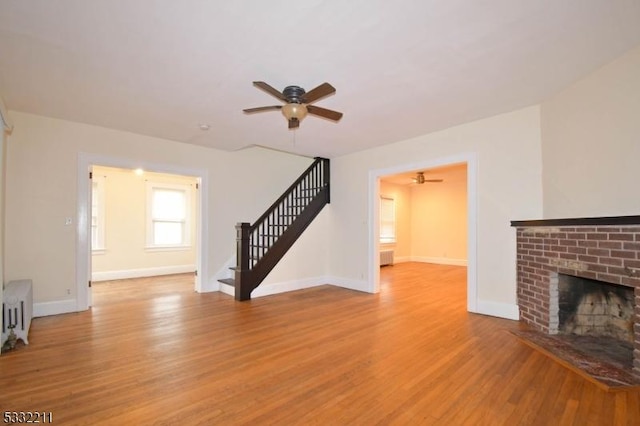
591,143
439,220
125,254
507,149
42,167
305,264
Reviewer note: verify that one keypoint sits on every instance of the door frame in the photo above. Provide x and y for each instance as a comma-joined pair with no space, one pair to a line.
83,222
472,218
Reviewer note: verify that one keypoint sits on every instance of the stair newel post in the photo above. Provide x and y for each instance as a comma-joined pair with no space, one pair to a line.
326,178
243,287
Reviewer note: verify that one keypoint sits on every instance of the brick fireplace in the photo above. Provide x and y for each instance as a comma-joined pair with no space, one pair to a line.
604,249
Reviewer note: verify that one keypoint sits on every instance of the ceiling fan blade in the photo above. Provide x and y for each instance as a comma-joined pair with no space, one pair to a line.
323,112
434,180
261,109
294,123
325,89
270,90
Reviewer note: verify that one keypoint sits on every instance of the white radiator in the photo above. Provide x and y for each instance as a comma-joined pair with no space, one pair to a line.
17,309
386,257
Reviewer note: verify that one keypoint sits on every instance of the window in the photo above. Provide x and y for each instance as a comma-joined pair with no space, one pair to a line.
97,213
168,213
387,220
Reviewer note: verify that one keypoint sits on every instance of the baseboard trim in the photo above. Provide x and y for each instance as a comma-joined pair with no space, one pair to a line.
286,286
44,309
142,272
350,284
496,309
277,288
440,260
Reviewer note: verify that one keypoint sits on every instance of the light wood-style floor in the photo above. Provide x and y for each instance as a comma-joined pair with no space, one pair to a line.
153,351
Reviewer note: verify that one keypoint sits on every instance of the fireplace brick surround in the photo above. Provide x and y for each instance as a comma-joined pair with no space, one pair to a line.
605,249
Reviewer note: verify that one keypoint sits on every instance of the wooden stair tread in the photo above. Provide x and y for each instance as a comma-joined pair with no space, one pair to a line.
260,246
228,281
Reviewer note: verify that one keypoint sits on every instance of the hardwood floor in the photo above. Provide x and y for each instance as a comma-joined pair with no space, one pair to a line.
153,351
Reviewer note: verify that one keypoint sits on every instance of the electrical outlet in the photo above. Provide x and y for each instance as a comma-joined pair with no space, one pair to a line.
68,221
68,291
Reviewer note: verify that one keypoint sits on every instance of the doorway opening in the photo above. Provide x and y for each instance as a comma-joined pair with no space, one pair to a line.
425,231
143,224
162,234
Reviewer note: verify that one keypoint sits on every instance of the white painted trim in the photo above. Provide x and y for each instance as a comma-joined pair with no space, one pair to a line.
57,307
472,232
287,286
83,255
500,310
227,289
203,283
470,158
440,260
141,272
374,246
350,284
4,117
277,288
100,182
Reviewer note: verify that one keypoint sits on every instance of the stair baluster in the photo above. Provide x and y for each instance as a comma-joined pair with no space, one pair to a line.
260,246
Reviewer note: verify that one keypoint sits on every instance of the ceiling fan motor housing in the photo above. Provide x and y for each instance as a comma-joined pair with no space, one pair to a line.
293,94
298,102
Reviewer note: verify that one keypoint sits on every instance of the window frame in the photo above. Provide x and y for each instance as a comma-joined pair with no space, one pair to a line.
386,221
186,243
98,200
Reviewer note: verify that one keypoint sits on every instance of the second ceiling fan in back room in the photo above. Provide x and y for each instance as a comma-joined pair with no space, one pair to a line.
420,179
298,102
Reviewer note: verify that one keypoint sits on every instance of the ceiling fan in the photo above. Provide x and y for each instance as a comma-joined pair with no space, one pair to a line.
420,179
298,102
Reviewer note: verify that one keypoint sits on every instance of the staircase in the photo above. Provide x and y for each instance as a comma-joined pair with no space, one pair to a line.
259,247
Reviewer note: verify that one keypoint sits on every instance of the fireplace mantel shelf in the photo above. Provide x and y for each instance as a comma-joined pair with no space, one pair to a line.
581,221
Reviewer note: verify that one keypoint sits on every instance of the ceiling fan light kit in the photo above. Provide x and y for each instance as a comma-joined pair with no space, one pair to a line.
297,111
298,102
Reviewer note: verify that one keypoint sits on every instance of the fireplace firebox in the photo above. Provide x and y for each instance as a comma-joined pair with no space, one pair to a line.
582,277
594,308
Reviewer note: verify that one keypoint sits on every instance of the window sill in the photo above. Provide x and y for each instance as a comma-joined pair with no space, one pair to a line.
98,251
153,249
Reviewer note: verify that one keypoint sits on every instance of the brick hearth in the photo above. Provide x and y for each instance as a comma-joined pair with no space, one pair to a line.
604,249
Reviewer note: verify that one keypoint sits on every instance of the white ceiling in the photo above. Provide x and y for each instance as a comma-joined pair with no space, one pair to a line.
401,68
455,173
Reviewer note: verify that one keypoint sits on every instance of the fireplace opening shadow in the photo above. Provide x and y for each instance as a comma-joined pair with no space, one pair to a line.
608,365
